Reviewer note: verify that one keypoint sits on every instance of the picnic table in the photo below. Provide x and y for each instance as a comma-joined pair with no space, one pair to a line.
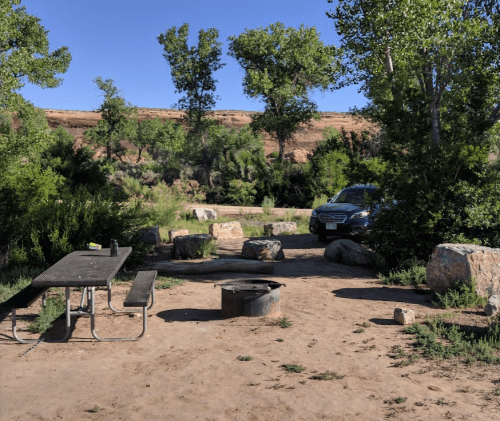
89,269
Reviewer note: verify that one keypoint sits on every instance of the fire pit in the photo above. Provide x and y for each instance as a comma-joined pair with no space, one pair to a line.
250,298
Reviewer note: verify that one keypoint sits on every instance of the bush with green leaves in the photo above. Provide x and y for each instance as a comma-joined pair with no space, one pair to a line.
241,192
413,275
53,228
461,295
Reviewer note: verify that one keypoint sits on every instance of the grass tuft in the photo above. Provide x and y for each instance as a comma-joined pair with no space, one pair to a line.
163,282
284,322
293,368
328,375
461,295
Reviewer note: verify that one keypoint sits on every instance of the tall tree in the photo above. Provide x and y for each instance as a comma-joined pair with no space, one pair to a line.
115,113
24,54
282,66
431,71
411,52
144,133
192,69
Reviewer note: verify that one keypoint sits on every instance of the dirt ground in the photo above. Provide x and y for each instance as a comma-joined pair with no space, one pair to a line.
187,367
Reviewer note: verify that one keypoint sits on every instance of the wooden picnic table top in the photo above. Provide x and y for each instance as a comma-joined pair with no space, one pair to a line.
84,268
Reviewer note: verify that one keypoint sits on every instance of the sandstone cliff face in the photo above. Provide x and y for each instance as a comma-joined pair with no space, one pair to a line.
76,122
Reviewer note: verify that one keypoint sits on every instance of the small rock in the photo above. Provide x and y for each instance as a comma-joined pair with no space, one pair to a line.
176,233
262,250
277,228
151,236
493,306
225,230
404,317
189,246
204,214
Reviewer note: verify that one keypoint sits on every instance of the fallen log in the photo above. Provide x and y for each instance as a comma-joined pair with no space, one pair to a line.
212,266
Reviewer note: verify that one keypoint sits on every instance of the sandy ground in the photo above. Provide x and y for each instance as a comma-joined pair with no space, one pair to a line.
187,366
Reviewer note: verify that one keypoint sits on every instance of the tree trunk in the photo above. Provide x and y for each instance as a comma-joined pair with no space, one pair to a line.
108,150
213,266
435,123
281,146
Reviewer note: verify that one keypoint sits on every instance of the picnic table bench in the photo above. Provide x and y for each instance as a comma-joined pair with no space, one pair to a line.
87,269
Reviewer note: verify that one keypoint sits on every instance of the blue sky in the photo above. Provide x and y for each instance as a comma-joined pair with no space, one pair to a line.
116,39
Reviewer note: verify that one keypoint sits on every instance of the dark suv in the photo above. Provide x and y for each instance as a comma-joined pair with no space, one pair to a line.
345,214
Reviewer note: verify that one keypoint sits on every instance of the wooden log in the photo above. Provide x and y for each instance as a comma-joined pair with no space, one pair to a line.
212,266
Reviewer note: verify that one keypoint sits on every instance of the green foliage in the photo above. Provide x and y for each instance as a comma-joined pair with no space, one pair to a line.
293,368
282,65
468,347
414,275
52,229
328,375
77,167
319,200
208,248
432,92
144,133
461,295
25,55
163,282
284,322
241,192
245,358
115,112
54,308
192,68
268,204
14,280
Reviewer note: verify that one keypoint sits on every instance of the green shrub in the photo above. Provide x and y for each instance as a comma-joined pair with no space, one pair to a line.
414,275
55,228
461,295
241,193
268,204
54,308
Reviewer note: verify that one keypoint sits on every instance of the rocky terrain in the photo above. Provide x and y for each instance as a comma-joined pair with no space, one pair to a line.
77,122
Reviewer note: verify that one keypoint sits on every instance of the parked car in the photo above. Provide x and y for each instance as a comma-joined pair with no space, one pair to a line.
345,215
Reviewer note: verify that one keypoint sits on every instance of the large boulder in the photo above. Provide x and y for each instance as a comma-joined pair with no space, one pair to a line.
262,250
451,263
204,214
151,236
190,246
226,230
277,228
176,233
347,252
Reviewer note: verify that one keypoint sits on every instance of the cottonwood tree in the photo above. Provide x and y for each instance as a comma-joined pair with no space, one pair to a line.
442,55
115,113
431,72
144,133
192,69
282,66
25,55
192,72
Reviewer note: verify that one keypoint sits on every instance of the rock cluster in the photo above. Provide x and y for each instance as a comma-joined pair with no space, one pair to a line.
176,233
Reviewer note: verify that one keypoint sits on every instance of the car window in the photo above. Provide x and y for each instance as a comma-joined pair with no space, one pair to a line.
355,197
